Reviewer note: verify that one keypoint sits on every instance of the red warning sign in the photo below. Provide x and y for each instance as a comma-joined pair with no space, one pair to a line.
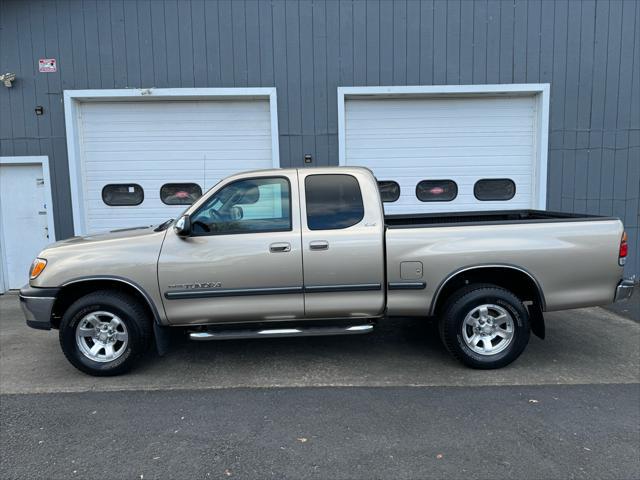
47,65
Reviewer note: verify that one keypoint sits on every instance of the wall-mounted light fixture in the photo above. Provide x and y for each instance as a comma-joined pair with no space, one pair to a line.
7,78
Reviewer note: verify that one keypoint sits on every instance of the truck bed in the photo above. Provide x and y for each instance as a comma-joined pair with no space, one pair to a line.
493,217
572,257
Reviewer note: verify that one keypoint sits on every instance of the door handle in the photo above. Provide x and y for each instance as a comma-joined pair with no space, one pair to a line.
280,247
319,245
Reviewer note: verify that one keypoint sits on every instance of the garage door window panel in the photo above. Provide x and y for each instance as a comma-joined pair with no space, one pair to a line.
246,206
389,190
180,193
122,194
333,202
494,189
436,190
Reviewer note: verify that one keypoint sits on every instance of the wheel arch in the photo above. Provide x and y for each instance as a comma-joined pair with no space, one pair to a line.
510,277
74,289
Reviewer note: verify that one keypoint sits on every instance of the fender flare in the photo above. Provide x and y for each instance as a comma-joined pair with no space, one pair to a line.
467,268
160,332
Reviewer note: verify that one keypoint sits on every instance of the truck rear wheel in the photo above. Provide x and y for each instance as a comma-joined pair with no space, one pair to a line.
103,333
485,326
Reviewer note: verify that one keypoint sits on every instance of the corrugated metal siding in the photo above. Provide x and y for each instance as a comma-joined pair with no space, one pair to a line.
588,51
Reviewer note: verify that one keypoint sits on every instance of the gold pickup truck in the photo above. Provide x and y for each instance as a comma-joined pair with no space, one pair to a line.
298,252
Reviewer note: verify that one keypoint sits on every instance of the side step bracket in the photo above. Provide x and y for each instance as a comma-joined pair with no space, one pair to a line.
205,335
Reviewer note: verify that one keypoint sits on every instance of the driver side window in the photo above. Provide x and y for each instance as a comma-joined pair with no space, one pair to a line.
246,206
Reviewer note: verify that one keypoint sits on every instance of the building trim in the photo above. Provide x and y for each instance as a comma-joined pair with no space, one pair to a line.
73,99
540,90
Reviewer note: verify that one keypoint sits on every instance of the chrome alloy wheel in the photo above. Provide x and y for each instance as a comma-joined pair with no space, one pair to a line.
102,336
488,329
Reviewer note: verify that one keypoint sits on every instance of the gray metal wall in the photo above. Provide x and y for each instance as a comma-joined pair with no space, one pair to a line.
588,51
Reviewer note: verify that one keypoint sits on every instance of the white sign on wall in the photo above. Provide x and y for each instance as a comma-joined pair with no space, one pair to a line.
47,65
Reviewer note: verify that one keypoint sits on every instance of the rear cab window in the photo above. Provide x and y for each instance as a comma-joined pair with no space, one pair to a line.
334,201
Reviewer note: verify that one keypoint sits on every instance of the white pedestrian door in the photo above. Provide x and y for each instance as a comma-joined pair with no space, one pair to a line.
23,220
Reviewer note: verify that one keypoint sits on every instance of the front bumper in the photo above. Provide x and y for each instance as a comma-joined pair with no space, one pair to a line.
37,304
625,288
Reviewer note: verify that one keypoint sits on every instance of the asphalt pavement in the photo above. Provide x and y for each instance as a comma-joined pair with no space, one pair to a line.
391,404
629,309
534,432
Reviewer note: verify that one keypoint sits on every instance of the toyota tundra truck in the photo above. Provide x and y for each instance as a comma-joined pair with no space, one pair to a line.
300,252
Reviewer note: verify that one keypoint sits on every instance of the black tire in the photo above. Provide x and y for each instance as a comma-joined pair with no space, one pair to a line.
464,301
129,311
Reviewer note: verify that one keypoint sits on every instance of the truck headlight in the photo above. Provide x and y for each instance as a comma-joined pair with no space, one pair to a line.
37,267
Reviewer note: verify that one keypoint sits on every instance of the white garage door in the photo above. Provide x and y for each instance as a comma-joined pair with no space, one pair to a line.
130,149
431,140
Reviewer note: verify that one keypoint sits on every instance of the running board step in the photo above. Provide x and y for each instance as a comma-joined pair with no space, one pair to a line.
279,332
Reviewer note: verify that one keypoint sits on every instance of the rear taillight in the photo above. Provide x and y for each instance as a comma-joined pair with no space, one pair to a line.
624,250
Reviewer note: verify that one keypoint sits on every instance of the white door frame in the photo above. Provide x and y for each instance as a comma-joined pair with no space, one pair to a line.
42,160
73,99
539,90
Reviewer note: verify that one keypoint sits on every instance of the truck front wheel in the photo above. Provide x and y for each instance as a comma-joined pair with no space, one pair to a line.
484,326
104,332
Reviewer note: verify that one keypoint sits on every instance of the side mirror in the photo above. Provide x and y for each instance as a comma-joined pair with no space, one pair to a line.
183,226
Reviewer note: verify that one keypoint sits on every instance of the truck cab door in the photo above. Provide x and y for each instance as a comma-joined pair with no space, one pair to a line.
242,261
342,242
